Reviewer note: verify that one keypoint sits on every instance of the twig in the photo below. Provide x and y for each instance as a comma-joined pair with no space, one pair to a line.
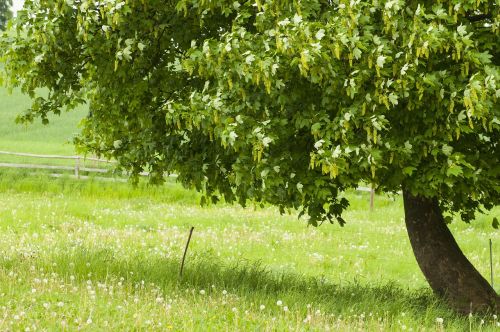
185,251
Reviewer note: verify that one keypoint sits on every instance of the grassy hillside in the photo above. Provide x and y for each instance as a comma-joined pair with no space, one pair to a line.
54,138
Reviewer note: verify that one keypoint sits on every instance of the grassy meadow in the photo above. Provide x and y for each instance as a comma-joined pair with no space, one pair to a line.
98,255
35,138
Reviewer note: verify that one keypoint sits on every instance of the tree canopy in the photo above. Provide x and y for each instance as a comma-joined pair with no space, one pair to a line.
5,12
285,102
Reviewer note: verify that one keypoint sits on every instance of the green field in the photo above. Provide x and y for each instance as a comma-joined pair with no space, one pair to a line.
101,255
35,138
96,255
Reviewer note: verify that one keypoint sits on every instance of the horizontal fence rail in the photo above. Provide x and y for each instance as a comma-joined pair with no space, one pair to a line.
65,168
49,156
77,168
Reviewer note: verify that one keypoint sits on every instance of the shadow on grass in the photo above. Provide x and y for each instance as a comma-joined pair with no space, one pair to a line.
248,280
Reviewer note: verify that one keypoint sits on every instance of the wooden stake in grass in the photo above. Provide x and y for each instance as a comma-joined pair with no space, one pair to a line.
372,198
491,263
185,251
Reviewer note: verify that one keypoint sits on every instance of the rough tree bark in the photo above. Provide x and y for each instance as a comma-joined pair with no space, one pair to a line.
449,273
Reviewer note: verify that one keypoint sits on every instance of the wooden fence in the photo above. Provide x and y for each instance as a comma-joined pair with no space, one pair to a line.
77,168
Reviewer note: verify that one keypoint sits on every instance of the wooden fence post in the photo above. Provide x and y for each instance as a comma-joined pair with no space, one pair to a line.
77,167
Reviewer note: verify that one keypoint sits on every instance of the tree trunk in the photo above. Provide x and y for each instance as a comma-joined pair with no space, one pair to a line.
449,273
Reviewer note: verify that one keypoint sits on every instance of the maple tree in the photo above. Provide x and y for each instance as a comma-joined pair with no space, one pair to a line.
287,102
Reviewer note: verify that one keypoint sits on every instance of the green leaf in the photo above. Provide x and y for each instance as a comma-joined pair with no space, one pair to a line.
447,150
454,170
409,170
357,53
495,223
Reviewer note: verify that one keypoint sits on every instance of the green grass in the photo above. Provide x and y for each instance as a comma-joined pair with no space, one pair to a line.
105,256
54,138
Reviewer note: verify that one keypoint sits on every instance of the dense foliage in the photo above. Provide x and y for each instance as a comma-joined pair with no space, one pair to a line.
286,102
5,12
